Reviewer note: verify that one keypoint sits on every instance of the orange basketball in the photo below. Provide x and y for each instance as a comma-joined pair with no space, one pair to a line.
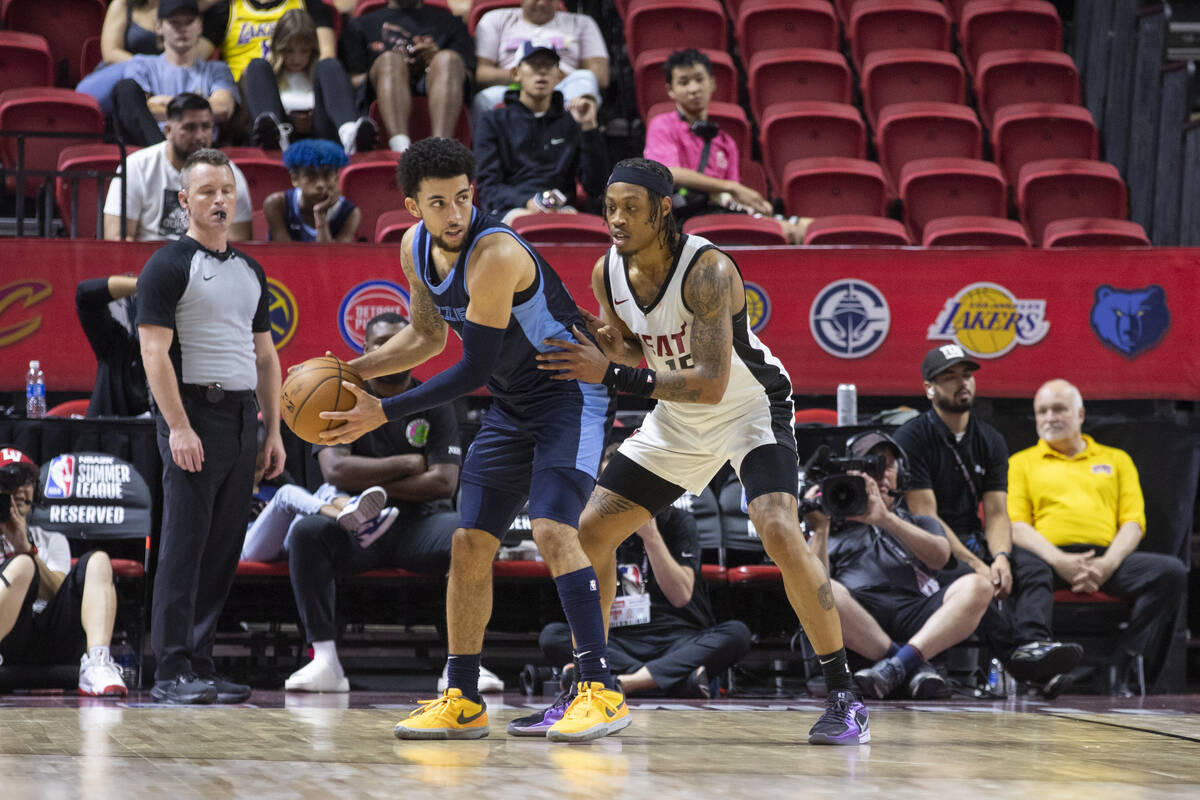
315,387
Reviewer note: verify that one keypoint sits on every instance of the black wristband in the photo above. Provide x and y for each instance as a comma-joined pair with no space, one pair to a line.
1002,553
630,380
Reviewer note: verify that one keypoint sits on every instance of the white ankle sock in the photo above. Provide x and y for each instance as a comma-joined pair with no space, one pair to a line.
399,143
326,653
99,651
346,133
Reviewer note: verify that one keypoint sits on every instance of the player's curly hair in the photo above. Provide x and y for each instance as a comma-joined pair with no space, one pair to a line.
434,158
315,153
668,225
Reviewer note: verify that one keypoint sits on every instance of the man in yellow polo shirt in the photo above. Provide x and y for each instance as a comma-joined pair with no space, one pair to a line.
1077,505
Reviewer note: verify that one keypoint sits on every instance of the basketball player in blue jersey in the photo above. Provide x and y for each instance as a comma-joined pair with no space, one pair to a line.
679,302
541,437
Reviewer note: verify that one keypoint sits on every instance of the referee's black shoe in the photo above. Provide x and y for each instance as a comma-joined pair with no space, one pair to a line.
1036,662
183,690
228,691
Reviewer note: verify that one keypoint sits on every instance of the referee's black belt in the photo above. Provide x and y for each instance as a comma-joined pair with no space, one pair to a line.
214,392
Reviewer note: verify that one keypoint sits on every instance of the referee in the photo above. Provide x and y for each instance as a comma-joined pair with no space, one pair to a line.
206,344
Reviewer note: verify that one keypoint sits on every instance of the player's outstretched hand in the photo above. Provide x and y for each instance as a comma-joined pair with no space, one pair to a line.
574,361
299,364
608,337
366,416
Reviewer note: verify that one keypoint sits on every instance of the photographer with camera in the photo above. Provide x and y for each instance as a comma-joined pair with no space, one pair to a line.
49,610
882,562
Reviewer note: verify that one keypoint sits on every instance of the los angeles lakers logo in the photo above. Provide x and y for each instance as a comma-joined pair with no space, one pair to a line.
758,306
364,302
987,320
283,313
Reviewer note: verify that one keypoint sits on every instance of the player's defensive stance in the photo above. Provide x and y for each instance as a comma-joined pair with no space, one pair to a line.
679,302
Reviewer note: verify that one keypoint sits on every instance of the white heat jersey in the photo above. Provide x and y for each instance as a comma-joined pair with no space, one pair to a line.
758,382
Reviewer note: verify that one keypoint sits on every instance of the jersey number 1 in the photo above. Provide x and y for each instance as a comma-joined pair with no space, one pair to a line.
685,361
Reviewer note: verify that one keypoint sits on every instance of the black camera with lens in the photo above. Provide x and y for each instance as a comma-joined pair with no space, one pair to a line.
842,495
12,477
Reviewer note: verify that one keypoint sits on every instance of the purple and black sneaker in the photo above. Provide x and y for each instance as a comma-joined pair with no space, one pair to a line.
537,723
844,721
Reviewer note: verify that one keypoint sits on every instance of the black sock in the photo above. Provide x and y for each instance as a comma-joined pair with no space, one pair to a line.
837,673
580,599
462,673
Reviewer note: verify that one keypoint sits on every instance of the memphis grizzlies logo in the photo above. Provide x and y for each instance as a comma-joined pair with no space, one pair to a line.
1130,321
849,318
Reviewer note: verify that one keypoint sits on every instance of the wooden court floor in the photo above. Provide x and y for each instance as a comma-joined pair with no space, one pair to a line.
342,747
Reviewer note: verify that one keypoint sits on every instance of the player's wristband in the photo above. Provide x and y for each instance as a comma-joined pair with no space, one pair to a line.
1002,553
630,380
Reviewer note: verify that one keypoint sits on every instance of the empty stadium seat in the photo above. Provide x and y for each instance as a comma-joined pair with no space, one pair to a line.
1094,232
909,75
809,129
742,229
1005,77
729,117
45,109
855,230
65,24
753,175
818,187
690,23
780,76
987,25
1062,188
481,7
563,229
78,208
889,24
908,131
391,225
372,186
1026,132
943,187
265,174
25,60
651,86
972,231
418,121
762,25
90,55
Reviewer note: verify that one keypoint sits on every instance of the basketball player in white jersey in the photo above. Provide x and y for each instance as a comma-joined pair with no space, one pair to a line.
678,301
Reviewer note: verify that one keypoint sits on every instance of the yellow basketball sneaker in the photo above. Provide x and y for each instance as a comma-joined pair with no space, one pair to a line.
594,712
450,716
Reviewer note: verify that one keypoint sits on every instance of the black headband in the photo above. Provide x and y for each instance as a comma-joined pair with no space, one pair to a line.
642,177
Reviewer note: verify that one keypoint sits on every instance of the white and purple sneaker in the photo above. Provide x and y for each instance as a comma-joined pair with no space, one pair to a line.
362,509
537,723
372,529
844,721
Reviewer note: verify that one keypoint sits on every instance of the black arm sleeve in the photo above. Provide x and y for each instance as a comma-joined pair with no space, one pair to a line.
91,305
593,159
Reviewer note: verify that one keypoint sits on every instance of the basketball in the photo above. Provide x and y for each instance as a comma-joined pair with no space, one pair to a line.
315,387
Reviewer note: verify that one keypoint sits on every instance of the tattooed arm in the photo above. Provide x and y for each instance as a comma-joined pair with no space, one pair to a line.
711,291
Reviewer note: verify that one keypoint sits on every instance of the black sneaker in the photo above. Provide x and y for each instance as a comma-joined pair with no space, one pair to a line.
926,683
880,679
696,685
1056,686
1038,662
845,721
266,132
228,691
185,689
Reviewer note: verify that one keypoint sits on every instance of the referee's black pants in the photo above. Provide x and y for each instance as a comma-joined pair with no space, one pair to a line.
203,526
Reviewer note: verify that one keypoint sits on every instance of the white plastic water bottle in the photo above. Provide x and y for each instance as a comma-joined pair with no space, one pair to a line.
847,405
35,391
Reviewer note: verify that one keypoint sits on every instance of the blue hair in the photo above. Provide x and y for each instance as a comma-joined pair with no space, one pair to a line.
315,153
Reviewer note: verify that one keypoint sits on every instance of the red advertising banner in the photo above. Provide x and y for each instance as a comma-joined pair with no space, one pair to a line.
1114,322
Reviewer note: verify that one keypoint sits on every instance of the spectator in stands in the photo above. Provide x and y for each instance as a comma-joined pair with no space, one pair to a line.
416,460
291,94
50,611
313,210
534,147
242,29
502,34
129,30
703,159
152,209
141,97
1076,508
882,565
106,311
404,48
958,464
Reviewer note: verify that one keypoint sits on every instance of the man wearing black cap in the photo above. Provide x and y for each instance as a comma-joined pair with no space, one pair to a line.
958,463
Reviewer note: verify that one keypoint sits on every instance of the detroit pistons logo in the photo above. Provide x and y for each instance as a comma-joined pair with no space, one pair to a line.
60,477
364,302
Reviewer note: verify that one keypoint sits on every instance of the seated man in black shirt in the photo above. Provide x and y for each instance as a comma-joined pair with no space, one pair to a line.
882,567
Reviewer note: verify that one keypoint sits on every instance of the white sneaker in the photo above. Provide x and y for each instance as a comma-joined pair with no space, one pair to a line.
317,676
100,677
358,135
362,508
372,529
488,680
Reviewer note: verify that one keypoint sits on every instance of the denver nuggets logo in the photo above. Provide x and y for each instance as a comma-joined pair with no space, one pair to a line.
283,313
364,302
988,321
849,318
758,306
23,293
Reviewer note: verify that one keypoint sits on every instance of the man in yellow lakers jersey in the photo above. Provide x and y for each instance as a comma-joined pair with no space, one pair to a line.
242,29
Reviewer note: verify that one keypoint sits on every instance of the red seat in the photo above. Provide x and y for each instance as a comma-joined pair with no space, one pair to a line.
809,129
737,229
888,24
394,573
755,574
45,109
1005,77
753,175
1026,132
71,408
264,175
523,570
651,85
730,117
762,25
79,213
987,25
260,231
89,55
1067,596
818,187
698,23
64,23
855,230
905,76
372,186
1094,232
816,417
943,187
971,231
1062,188
563,229
779,76
418,121
908,131
25,60
261,569
714,573
481,7
391,225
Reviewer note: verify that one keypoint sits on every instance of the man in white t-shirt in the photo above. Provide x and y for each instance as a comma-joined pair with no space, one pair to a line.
152,210
501,33
49,610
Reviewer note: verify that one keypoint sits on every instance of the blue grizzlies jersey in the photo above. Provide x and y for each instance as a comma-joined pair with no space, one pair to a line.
545,310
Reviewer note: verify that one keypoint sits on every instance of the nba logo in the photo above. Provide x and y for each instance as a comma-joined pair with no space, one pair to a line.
60,478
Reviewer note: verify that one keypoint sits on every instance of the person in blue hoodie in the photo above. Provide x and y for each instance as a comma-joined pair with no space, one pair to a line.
530,151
